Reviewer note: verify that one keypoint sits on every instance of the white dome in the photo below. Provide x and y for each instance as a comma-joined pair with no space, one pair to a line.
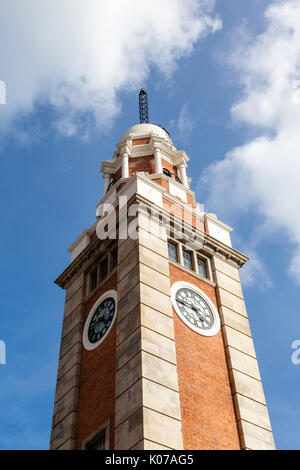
144,129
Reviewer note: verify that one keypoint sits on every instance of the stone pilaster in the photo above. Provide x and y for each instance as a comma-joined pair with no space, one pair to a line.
66,395
250,405
147,398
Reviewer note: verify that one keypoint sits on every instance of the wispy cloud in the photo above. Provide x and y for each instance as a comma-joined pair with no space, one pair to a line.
263,175
254,272
185,123
77,56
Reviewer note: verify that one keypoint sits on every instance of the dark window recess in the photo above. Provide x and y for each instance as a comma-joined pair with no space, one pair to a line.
171,175
98,443
114,258
112,182
103,269
167,172
172,250
94,279
187,259
202,267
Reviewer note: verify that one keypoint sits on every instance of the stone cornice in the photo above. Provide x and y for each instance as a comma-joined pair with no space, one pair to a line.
83,260
213,218
210,245
182,204
78,240
162,176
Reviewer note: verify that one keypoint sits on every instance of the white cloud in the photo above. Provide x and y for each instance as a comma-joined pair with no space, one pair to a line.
185,123
183,126
78,55
254,272
264,174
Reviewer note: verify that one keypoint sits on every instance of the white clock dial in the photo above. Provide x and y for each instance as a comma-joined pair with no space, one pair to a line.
195,309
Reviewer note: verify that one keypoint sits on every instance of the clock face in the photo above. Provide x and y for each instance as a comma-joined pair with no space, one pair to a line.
100,320
195,309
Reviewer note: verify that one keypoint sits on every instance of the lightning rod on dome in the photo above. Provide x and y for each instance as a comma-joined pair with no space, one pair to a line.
143,106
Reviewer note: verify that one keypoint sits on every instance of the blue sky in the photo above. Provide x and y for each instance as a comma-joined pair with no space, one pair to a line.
227,97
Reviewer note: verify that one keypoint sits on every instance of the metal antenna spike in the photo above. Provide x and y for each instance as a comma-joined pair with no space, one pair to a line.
143,106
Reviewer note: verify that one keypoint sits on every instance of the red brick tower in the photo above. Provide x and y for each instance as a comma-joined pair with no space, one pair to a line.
156,349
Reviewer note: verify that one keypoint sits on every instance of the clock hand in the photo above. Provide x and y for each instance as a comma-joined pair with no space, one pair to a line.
187,305
193,308
201,318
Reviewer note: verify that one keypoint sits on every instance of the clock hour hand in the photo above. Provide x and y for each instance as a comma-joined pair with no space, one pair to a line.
193,308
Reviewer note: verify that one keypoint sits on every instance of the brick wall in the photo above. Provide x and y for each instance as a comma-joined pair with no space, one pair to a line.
140,141
117,175
162,182
207,413
97,380
141,164
178,211
169,166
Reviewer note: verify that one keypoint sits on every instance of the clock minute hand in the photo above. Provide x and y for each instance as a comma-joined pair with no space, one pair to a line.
193,308
187,305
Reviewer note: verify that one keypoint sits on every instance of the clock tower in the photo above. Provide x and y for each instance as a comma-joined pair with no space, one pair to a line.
156,349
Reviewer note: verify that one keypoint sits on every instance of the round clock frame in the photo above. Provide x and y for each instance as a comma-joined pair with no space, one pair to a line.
201,331
85,337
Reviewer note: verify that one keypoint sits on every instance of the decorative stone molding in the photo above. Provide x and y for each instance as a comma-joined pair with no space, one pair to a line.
210,245
125,166
79,245
158,141
66,395
147,398
182,174
106,177
250,405
157,156
218,229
